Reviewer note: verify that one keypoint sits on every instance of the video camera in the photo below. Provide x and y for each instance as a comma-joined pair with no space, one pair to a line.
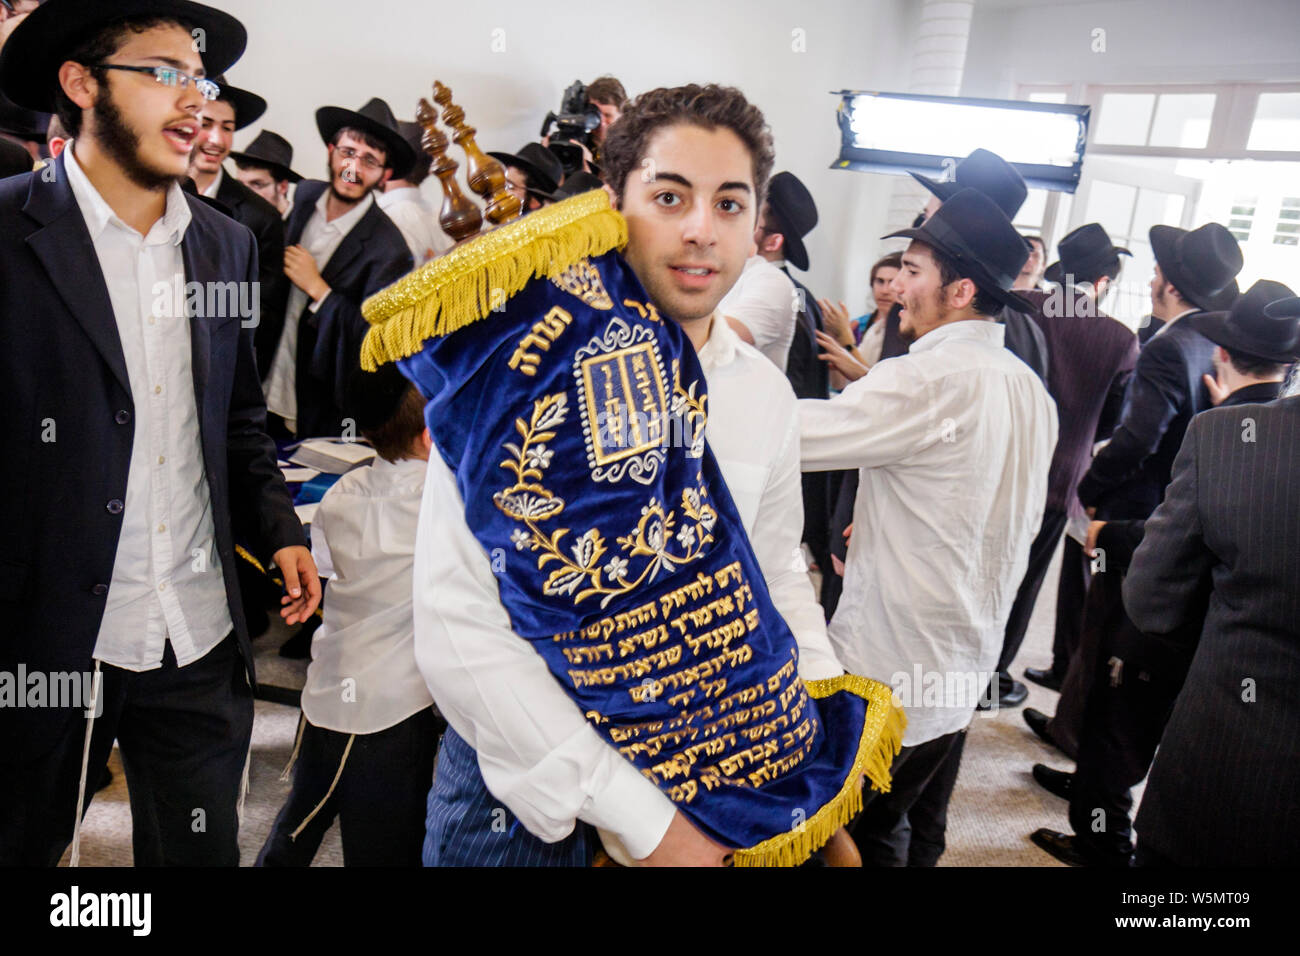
574,125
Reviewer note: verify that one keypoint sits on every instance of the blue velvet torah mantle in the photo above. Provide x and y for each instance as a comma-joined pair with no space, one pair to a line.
573,418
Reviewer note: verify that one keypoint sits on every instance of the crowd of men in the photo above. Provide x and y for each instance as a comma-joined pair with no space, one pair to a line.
932,457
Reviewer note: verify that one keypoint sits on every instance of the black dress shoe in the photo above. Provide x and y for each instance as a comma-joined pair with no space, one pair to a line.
1060,845
1037,721
1044,677
1068,849
1013,696
1056,782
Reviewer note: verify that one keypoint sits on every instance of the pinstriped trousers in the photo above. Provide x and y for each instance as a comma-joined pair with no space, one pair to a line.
467,826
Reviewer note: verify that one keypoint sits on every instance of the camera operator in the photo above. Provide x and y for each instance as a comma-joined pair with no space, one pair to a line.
607,95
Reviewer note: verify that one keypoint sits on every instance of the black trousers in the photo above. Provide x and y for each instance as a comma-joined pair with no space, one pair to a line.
1127,709
184,734
906,826
1071,594
1041,552
379,797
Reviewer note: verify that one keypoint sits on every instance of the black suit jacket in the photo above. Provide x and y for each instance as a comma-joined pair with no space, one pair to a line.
264,221
1127,478
69,421
1120,539
809,376
370,257
1225,787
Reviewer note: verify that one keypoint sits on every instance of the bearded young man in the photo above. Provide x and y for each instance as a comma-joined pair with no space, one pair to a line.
135,438
342,248
952,441
566,661
219,120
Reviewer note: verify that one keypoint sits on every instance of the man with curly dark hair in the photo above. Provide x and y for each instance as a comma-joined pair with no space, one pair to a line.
522,778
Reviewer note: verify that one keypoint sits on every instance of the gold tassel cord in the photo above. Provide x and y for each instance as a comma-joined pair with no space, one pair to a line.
881,740
466,284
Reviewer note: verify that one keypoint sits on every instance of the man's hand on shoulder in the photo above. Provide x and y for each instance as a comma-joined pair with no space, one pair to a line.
684,845
301,580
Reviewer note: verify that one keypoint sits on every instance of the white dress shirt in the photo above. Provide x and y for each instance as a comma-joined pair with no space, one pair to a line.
418,221
211,191
321,239
537,752
764,301
167,582
362,678
953,440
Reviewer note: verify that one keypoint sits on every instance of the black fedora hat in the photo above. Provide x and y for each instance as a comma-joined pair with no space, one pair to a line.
376,119
973,232
21,122
32,56
1201,264
248,107
543,167
987,172
1264,323
577,183
272,151
789,200
1085,253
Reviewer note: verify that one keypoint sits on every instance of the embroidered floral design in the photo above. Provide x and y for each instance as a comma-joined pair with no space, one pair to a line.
530,502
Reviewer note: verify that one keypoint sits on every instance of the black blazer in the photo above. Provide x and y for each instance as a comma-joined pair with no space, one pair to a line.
264,221
1225,787
1127,478
371,257
1120,539
809,376
69,421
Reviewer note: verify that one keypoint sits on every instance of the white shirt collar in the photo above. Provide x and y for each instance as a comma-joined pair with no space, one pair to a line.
211,191
98,214
345,222
394,196
720,347
985,329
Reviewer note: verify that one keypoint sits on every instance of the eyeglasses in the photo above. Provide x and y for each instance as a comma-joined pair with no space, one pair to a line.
170,76
365,159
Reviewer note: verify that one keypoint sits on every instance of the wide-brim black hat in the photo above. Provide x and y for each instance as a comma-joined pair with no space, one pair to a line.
272,151
987,172
1264,323
790,202
544,169
21,122
1201,264
34,52
1085,253
577,183
248,107
973,232
376,119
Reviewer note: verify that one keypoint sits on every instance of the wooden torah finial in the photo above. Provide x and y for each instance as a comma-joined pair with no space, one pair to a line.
485,175
459,217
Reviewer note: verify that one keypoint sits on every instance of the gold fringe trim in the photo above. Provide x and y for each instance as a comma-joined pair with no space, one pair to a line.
881,740
466,284
243,553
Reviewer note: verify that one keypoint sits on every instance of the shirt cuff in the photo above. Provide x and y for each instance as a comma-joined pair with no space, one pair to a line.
632,808
319,302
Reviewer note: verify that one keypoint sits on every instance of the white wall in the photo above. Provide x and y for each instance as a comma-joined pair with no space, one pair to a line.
1146,41
303,55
